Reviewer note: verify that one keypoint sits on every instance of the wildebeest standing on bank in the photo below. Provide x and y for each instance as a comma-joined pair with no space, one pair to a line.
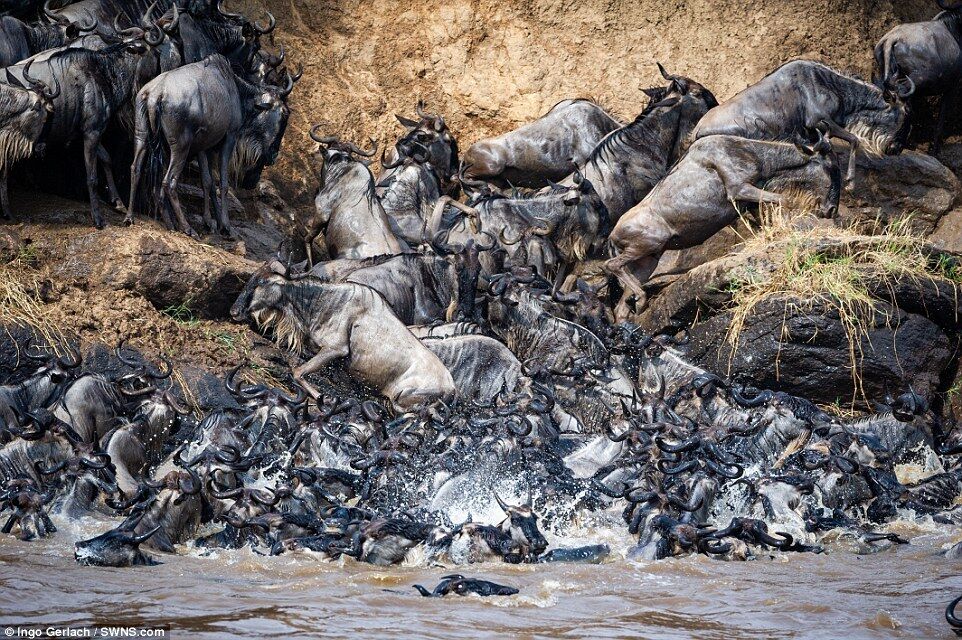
629,162
347,208
695,200
542,150
95,85
930,54
802,95
23,113
345,321
205,110
19,40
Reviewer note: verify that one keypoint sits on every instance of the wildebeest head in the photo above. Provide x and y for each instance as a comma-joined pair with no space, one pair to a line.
264,130
241,309
884,127
118,547
24,109
522,524
427,140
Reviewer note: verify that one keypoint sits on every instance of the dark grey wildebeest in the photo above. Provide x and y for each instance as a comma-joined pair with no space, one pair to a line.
930,54
348,321
696,200
19,40
348,211
628,162
96,85
802,95
205,110
543,150
24,111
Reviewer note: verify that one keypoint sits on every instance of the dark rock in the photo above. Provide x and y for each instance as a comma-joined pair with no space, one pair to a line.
892,187
784,346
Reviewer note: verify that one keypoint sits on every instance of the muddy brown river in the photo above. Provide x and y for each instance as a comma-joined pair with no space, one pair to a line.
898,593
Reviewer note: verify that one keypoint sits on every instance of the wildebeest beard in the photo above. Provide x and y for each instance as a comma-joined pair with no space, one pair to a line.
285,325
14,146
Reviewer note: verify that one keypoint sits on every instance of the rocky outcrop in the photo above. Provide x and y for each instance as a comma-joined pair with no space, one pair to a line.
911,185
801,345
167,269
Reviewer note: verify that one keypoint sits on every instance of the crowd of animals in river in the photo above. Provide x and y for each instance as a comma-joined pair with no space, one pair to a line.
453,359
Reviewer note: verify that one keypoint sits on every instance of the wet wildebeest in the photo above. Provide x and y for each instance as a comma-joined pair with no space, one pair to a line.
205,110
930,54
462,586
429,141
24,110
345,320
695,200
348,211
800,96
423,289
118,547
627,163
96,85
19,40
542,150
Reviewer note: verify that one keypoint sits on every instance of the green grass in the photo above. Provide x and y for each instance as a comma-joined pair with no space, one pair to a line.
181,313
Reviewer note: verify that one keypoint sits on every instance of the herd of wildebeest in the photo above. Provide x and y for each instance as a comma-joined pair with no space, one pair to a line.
450,348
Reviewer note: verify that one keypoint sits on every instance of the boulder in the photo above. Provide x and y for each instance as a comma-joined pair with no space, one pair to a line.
801,346
891,187
169,270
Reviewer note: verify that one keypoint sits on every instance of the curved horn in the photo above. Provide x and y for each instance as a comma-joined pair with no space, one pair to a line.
950,616
174,404
501,503
391,165
227,14
54,17
271,24
144,536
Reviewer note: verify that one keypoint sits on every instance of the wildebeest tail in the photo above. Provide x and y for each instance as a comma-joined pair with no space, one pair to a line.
149,197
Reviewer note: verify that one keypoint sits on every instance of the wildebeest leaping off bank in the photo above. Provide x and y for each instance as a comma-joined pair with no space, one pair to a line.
450,361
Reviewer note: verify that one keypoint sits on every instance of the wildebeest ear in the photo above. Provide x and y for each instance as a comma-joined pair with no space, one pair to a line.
276,266
407,122
652,92
12,79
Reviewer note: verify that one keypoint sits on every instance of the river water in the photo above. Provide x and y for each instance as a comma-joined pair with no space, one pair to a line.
898,593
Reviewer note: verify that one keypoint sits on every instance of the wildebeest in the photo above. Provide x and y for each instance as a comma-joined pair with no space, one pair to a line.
345,320
695,200
19,40
542,150
96,84
205,33
427,141
462,586
803,95
628,162
206,110
930,54
24,110
347,208
118,547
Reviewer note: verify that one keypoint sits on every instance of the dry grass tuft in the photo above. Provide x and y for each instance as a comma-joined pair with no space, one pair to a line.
21,304
812,266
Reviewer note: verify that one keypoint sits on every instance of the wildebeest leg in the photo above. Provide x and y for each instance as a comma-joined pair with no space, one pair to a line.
208,182
91,143
109,174
634,274
835,131
946,103
225,153
178,160
750,193
136,170
4,194
318,362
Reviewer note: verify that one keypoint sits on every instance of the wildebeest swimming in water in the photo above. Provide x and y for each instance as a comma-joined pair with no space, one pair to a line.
459,585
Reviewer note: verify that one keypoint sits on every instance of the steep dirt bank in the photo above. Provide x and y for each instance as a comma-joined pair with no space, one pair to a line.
489,66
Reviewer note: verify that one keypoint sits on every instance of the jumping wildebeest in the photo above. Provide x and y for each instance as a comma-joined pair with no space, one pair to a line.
629,162
345,320
930,54
543,150
348,210
19,40
800,96
206,110
694,201
23,114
